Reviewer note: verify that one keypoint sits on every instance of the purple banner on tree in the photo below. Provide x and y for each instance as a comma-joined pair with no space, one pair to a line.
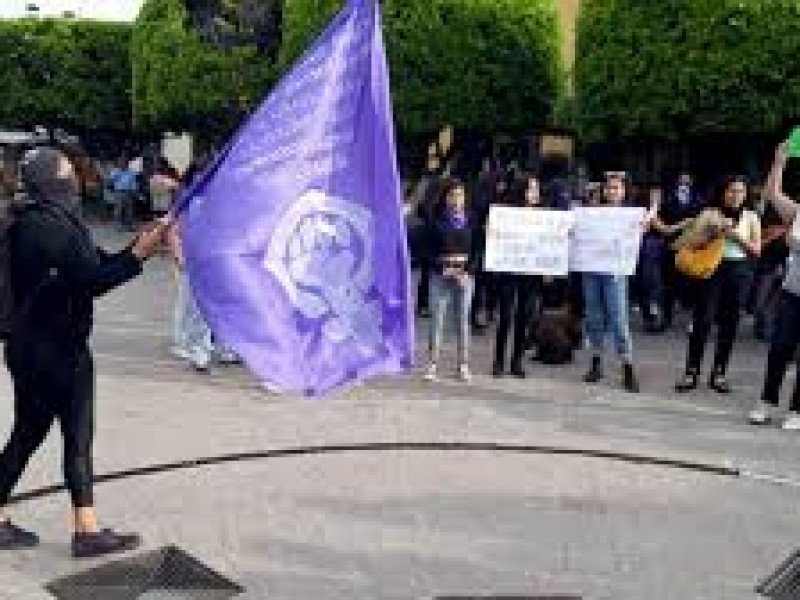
294,240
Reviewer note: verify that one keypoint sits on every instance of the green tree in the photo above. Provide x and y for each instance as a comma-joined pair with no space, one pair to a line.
484,66
681,68
73,75
183,80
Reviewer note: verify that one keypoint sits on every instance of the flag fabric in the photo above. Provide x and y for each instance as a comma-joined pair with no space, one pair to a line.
294,238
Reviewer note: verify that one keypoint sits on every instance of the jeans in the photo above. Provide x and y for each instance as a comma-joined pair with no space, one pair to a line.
719,299
782,350
443,293
51,382
606,310
191,334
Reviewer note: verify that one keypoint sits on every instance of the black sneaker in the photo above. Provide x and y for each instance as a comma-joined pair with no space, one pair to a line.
15,538
92,545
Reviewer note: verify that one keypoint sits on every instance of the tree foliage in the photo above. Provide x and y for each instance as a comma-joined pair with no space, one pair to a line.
73,75
673,68
480,65
183,80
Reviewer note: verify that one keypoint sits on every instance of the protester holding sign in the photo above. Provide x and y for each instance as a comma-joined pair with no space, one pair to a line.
787,329
721,295
606,307
451,279
517,292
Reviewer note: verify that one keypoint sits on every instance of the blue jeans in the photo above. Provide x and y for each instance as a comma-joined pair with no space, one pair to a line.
606,310
443,293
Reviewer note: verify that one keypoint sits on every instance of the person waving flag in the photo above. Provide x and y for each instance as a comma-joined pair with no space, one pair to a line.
294,237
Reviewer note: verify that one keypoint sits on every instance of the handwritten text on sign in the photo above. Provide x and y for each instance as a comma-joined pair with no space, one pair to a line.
606,240
528,241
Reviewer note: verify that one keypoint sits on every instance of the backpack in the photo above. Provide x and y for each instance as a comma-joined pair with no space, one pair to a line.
11,308
7,304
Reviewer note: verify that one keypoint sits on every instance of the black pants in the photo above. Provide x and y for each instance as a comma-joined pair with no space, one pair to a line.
51,383
423,290
782,350
516,294
486,297
719,300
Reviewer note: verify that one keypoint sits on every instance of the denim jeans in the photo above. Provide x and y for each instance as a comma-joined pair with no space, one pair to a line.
192,336
606,310
443,293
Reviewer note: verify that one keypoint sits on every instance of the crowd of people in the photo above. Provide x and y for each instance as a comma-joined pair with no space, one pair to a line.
549,318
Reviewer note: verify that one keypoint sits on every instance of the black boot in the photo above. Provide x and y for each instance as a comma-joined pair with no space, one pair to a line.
517,370
629,381
595,374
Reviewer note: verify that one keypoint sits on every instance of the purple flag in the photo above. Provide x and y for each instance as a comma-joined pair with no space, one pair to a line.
294,240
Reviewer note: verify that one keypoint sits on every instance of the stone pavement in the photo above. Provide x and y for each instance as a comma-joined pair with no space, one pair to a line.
417,523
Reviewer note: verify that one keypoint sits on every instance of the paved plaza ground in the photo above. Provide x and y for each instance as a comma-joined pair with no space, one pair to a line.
405,490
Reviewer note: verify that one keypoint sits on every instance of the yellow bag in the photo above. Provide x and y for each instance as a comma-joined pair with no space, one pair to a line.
700,262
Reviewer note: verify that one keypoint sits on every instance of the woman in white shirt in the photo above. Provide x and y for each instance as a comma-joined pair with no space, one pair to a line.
721,295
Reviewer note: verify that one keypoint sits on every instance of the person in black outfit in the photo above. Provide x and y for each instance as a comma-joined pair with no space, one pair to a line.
680,205
427,211
56,271
516,291
489,185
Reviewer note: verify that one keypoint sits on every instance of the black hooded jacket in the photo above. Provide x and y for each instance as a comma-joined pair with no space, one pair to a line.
56,272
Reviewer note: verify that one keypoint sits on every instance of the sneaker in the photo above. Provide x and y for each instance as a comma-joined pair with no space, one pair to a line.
761,414
791,422
92,545
430,373
200,361
228,357
180,353
13,537
464,373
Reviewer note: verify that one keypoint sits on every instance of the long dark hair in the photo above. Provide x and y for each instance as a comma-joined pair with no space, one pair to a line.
722,189
447,185
518,191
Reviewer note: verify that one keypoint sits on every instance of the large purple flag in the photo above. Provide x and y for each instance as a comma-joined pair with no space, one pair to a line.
294,240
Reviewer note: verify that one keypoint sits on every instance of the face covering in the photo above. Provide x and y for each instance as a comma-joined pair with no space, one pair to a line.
44,182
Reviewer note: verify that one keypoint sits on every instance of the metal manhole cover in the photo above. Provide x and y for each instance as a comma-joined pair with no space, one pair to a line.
165,574
783,584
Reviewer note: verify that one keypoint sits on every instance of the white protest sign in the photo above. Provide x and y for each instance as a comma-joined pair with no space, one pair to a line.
528,241
606,239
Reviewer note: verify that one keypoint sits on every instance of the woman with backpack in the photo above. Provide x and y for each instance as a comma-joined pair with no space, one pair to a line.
721,295
56,271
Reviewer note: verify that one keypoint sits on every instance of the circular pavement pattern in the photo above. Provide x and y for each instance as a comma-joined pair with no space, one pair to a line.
408,525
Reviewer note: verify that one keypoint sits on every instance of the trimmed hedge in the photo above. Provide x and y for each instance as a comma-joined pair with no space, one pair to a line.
73,75
668,69
482,65
183,83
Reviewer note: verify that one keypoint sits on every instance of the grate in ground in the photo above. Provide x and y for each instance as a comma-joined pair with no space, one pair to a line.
784,583
165,574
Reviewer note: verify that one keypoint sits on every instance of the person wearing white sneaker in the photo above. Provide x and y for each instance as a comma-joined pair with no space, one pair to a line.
453,255
786,336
